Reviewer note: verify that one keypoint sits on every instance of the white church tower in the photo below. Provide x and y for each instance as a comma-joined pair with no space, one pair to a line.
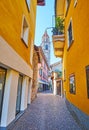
46,46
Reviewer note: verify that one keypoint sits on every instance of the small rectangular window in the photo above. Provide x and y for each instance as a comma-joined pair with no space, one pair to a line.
40,72
75,3
70,34
67,5
87,78
72,84
2,86
25,31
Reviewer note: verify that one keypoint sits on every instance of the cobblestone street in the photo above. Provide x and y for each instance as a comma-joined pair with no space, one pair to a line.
47,112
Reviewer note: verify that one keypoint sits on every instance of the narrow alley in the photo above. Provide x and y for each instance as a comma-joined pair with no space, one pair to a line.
47,112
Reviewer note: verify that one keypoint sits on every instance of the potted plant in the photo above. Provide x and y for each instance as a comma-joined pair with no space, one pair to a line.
59,26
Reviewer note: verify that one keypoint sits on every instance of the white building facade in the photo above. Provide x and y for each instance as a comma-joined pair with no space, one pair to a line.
56,76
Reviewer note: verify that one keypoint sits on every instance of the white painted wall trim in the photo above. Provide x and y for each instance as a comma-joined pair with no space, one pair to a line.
61,90
24,93
25,33
55,88
42,82
29,91
10,95
10,58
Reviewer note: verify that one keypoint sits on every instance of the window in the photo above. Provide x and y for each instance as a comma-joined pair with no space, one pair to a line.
46,47
28,4
2,85
87,78
45,67
72,84
75,3
25,31
70,34
40,72
19,93
67,5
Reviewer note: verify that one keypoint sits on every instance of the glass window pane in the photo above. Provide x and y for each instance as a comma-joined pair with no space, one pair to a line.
70,33
28,3
19,92
72,84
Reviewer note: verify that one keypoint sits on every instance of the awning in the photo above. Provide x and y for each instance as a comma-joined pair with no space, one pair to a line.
41,2
43,82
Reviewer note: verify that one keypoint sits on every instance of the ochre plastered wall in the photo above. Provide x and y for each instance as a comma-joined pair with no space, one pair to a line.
76,58
11,14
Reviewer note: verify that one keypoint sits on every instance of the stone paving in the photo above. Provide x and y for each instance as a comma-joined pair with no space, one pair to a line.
47,112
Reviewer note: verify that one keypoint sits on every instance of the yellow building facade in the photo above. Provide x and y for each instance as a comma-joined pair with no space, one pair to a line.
73,49
13,19
17,29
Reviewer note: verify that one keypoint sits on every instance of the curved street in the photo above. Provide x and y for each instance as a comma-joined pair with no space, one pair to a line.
47,112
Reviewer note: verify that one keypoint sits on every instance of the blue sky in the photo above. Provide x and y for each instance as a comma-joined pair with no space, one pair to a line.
43,20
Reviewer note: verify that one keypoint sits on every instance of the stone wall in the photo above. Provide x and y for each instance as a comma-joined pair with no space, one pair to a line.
35,76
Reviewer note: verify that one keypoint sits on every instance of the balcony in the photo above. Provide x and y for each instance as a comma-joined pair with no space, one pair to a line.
58,43
58,52
41,2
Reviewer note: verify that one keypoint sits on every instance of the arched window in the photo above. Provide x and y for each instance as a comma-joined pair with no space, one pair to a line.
46,47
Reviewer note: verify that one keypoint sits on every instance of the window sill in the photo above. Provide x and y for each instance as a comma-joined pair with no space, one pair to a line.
74,93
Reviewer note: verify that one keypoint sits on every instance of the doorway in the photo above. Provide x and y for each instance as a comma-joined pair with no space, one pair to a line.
19,93
2,85
59,88
29,91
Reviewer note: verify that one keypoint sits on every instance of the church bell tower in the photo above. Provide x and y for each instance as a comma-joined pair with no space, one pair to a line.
46,46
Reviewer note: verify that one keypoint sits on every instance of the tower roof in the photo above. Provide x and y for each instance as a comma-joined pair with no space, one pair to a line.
45,44
45,34
45,37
